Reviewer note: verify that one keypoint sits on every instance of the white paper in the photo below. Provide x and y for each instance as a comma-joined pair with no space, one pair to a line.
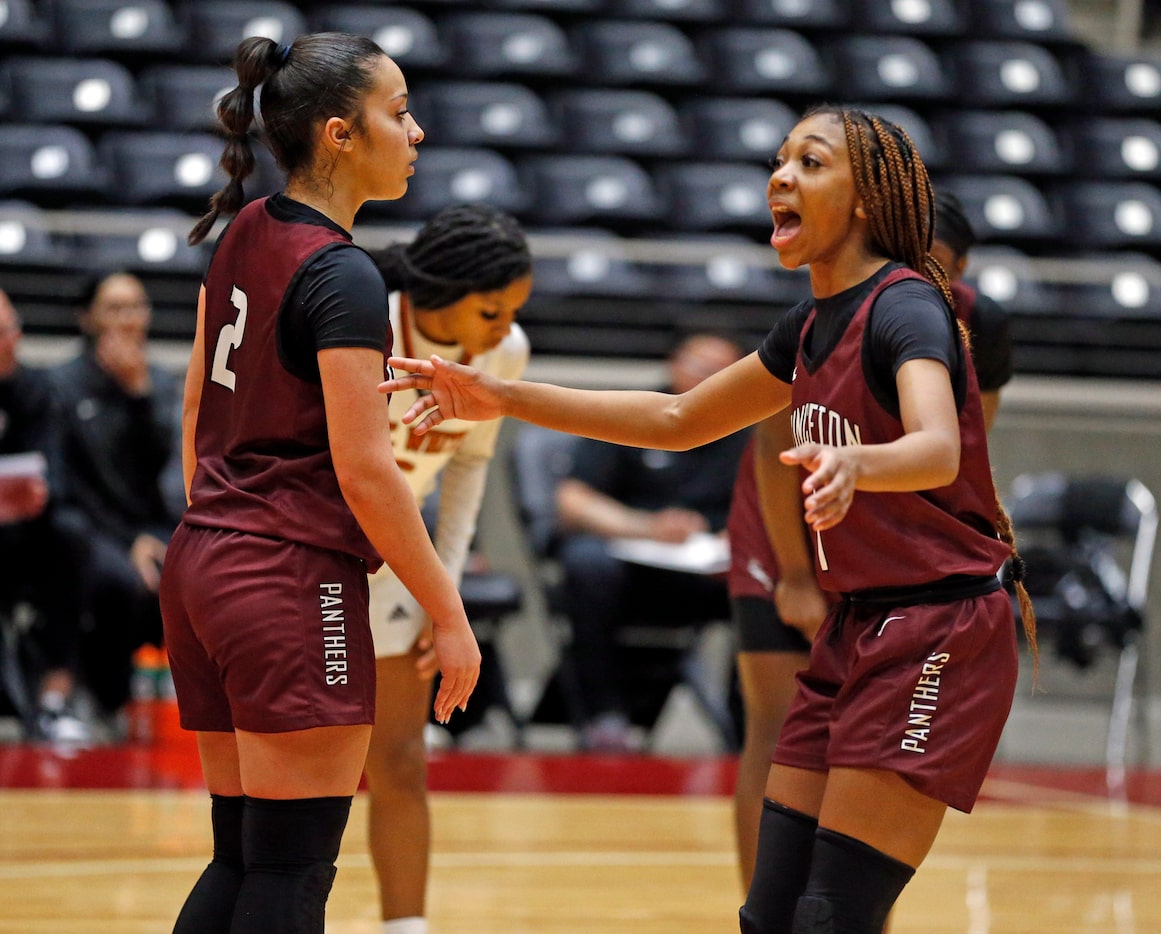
701,553
28,464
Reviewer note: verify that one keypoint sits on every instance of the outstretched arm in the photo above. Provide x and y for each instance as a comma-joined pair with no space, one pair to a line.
731,399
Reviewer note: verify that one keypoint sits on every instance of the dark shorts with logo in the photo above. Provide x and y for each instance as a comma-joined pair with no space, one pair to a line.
266,635
922,691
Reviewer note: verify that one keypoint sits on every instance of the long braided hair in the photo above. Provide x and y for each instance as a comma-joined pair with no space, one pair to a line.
463,249
892,180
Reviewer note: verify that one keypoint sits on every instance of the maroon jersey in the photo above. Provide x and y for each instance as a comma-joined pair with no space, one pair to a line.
894,539
263,455
753,566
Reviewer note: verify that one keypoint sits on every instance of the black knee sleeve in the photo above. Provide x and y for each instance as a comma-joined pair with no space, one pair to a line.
289,849
209,907
785,842
851,889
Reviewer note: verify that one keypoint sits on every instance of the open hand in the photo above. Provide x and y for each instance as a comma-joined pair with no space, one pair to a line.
453,391
459,665
830,487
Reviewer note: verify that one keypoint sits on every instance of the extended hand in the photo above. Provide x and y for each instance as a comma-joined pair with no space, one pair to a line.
456,391
830,488
459,665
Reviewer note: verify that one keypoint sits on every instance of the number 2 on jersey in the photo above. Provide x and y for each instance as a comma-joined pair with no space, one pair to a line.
229,338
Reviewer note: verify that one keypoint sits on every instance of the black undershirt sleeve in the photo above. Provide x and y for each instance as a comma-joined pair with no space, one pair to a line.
779,350
991,344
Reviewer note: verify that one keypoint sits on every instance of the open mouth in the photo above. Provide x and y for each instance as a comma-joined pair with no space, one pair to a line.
786,226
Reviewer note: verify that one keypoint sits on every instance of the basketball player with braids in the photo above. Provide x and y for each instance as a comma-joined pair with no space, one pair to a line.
911,676
777,606
293,493
454,290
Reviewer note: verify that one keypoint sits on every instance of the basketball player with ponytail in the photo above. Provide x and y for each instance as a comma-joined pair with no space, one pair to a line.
293,492
912,674
454,290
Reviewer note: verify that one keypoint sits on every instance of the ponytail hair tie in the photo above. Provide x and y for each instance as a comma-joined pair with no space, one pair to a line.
283,53
1019,569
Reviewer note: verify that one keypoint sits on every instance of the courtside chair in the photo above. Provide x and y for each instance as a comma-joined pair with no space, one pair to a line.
1117,147
715,196
748,129
1030,20
21,27
1003,141
158,168
635,53
588,190
215,27
1009,74
494,114
806,15
185,97
889,68
89,92
409,36
1119,84
1121,215
1088,542
1005,208
618,121
764,62
123,29
50,165
492,44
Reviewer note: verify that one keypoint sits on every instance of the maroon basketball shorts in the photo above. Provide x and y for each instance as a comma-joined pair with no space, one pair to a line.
266,635
922,691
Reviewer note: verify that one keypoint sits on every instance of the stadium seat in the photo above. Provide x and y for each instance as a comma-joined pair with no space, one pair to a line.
1111,214
737,129
635,123
1127,288
1006,276
688,11
498,43
85,92
1031,20
185,97
587,261
1002,141
808,15
158,247
49,165
637,53
21,27
1004,207
118,28
729,268
930,146
451,175
909,17
1119,84
408,36
551,7
26,240
1118,147
588,190
888,68
1009,74
482,113
163,169
764,61
215,27
715,196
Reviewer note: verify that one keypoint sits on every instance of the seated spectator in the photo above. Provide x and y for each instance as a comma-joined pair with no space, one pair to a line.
625,492
42,561
119,418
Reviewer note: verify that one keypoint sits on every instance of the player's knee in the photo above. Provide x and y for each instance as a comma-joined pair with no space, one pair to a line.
397,763
814,916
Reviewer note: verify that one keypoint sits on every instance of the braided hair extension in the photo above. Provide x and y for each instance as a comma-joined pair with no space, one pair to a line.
892,180
462,250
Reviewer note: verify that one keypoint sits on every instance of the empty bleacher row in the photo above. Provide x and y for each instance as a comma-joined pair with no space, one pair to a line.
612,126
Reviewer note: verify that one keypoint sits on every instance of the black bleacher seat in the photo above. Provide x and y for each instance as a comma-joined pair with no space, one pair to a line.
158,247
1009,74
1031,20
551,7
1129,289
162,169
931,148
1007,141
22,26
715,196
51,165
1119,215
27,241
737,129
1118,147
637,53
587,261
888,68
185,97
690,11
909,17
408,36
215,27
609,120
1005,275
730,268
588,190
489,44
451,175
88,92
1004,207
492,114
118,28
764,61
807,15
1118,83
